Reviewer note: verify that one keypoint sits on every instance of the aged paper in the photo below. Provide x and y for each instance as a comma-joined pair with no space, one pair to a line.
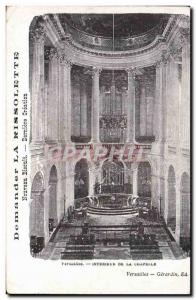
98,150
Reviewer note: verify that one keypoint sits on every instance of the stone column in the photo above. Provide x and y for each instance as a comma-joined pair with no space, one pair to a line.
83,109
69,197
61,189
59,200
65,99
37,92
95,106
158,102
178,209
61,119
143,112
175,111
130,136
53,98
46,213
92,178
53,201
159,124
185,96
134,168
155,185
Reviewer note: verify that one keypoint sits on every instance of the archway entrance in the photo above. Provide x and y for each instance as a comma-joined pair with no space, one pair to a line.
36,222
53,199
171,220
112,177
81,180
185,213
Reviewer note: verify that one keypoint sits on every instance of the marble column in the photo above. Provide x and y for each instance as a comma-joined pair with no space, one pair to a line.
38,87
130,136
95,106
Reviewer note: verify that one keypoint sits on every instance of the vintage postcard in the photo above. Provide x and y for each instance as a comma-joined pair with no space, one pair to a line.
98,150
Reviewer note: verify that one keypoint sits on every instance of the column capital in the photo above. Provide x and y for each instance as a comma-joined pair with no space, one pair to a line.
165,57
38,34
53,54
158,64
96,71
184,36
64,61
133,71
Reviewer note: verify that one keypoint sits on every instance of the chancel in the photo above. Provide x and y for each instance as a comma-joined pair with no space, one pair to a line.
110,136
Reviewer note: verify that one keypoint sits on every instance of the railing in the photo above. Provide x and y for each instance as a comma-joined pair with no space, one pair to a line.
119,44
145,139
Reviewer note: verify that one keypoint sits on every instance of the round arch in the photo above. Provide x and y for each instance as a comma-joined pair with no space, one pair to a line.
171,219
81,179
36,222
112,177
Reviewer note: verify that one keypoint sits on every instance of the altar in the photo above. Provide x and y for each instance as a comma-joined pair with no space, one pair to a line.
113,204
115,200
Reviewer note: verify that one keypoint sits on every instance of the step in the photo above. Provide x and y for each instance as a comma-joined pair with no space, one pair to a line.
102,211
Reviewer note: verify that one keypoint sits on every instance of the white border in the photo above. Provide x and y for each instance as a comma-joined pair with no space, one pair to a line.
2,57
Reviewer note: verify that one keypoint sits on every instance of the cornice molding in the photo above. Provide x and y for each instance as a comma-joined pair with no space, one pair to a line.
87,57
62,36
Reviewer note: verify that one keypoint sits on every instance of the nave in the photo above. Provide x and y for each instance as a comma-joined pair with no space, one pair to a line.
98,237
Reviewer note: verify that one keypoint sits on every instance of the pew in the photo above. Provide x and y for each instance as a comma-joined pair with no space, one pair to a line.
144,247
79,247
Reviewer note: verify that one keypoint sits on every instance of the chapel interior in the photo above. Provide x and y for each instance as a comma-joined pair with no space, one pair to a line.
119,83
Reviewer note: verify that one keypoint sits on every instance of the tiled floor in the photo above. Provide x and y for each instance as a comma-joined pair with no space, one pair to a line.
169,249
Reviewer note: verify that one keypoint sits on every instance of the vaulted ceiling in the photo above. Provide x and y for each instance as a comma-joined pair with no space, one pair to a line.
121,25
